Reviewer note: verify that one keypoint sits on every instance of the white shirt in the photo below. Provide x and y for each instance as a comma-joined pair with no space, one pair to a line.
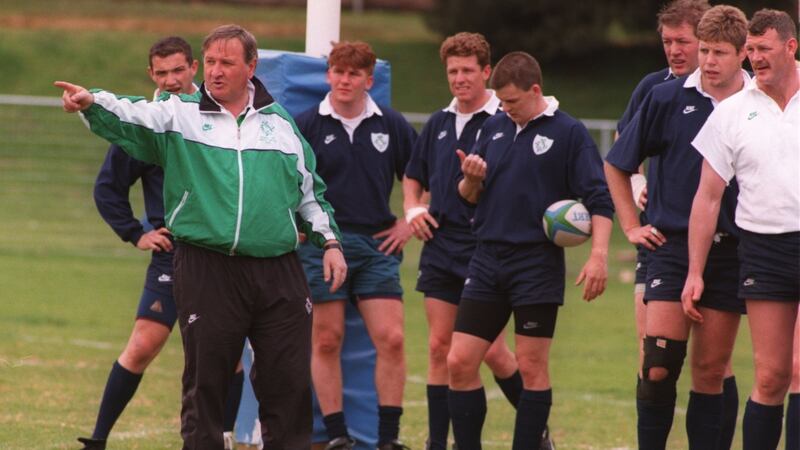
749,137
491,106
350,125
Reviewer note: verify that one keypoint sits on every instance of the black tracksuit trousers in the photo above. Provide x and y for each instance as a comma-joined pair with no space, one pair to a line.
221,300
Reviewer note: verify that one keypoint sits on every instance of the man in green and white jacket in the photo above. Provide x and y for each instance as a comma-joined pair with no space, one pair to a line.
236,175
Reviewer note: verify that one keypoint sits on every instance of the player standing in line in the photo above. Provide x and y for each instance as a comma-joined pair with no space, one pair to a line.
677,26
445,224
663,128
753,136
172,68
360,148
525,159
793,406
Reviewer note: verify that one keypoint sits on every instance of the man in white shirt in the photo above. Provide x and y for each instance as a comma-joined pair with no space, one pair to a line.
754,136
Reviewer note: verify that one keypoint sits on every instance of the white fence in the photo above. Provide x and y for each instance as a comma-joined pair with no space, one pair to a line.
604,128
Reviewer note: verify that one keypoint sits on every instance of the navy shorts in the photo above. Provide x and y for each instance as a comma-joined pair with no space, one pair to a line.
517,275
770,266
668,266
370,273
157,302
443,264
641,264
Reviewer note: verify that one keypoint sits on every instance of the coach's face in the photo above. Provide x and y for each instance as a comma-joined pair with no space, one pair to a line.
225,70
173,73
519,104
467,79
680,48
720,64
348,84
771,57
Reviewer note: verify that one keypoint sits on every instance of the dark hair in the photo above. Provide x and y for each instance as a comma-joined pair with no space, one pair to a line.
723,23
780,21
228,32
466,44
677,12
355,54
517,68
169,46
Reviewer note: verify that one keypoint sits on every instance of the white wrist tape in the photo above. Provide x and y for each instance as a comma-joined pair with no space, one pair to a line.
412,213
638,184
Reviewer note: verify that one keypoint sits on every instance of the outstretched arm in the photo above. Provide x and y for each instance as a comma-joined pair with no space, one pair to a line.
75,98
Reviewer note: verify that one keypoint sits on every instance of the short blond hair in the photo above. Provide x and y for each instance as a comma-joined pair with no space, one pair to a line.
723,23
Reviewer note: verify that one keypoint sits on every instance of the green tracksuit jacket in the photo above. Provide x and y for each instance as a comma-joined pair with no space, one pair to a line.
231,187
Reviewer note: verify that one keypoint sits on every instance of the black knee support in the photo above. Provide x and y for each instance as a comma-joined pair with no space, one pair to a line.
669,355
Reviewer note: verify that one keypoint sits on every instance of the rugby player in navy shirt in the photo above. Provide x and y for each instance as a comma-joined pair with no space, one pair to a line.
677,23
361,148
445,224
753,138
662,130
525,159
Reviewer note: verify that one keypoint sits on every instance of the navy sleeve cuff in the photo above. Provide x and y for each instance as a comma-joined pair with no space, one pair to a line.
603,211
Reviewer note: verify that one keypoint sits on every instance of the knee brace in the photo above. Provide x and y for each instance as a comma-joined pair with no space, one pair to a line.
669,355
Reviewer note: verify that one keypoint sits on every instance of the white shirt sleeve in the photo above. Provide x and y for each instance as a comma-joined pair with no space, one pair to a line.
713,143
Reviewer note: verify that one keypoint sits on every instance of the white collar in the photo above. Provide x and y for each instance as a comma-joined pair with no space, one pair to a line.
694,80
490,107
251,93
670,74
550,110
326,108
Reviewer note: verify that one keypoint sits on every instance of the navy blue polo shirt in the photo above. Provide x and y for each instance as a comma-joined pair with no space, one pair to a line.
669,118
436,166
552,158
111,195
641,91
359,175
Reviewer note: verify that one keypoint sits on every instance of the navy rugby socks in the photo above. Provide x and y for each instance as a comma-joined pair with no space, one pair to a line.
388,423
762,426
511,387
704,420
335,425
438,417
120,387
468,411
653,424
533,410
793,422
730,409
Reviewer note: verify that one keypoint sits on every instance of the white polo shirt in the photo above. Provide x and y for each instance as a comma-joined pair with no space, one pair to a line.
749,137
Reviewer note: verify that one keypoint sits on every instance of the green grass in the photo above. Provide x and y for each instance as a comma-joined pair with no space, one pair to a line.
68,292
104,44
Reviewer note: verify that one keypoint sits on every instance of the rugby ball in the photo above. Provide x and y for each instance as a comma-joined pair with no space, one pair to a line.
567,223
